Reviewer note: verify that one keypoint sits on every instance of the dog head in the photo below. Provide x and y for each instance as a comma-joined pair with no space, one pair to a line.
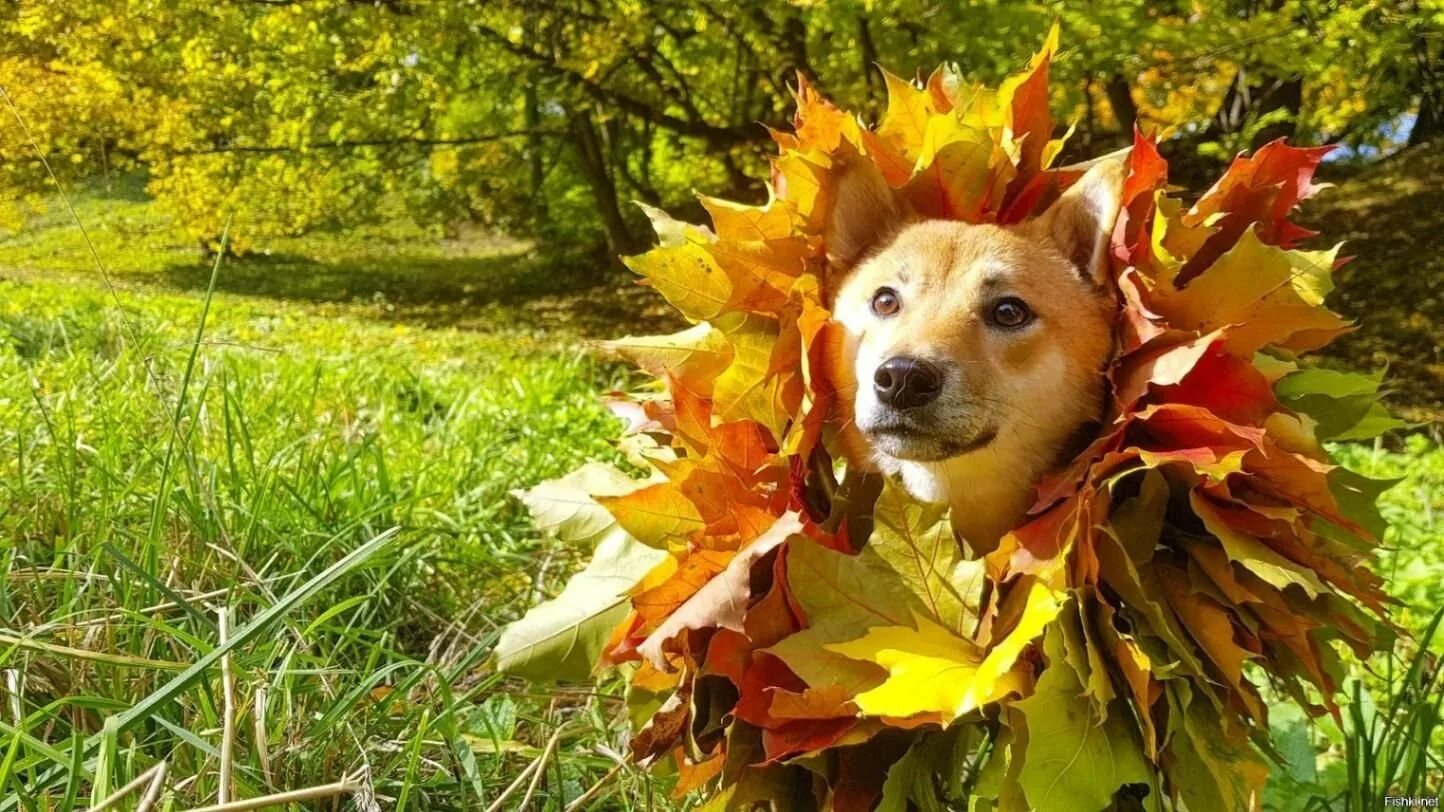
966,339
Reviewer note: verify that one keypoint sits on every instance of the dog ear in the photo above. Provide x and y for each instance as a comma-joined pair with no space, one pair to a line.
866,211
1081,220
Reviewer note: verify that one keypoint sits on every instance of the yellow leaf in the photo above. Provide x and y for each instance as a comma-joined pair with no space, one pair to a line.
760,383
655,515
738,221
694,357
909,111
1270,295
688,277
931,670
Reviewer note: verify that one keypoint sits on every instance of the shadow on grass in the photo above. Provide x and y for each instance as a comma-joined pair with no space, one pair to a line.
1389,218
579,293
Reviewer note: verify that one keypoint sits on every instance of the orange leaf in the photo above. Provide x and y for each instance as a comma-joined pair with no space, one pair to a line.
722,601
1257,192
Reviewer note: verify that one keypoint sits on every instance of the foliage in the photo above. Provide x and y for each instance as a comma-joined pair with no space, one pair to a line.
1394,291
800,638
313,298
1388,743
287,117
1392,746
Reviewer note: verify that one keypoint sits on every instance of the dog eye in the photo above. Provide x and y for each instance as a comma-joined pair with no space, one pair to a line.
885,302
1011,313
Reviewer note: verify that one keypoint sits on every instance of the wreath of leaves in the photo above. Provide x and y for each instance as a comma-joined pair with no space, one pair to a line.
797,635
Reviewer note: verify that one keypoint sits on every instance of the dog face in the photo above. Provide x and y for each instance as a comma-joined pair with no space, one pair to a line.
970,341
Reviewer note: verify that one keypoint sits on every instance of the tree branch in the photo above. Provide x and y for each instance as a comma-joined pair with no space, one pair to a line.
716,135
374,142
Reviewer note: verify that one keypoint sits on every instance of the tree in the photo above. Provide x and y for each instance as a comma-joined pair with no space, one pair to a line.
549,118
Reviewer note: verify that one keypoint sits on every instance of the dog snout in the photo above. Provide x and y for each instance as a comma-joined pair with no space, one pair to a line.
904,382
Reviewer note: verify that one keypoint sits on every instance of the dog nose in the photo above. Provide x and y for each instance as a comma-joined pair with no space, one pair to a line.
903,382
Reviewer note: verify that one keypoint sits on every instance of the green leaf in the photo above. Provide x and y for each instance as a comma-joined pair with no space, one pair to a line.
565,509
912,567
997,786
1357,496
912,780
1207,767
562,638
1345,405
1376,421
1330,383
1075,760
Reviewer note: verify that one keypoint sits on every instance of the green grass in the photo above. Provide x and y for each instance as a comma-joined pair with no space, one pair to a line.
306,429
391,272
343,388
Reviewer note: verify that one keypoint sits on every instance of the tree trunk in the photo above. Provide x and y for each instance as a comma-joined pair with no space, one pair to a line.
1120,98
591,157
536,172
1288,95
1249,99
1429,123
871,75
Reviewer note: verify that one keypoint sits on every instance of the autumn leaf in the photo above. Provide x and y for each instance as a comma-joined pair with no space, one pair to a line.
1342,405
563,638
1075,760
567,508
736,221
755,385
723,601
693,357
655,515
1253,554
688,277
1212,763
1256,192
1267,295
672,232
932,670
909,112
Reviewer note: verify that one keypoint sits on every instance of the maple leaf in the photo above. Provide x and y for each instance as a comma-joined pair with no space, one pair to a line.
655,515
567,509
738,221
693,357
562,639
1204,528
1256,192
910,110
1075,758
932,670
1210,761
1269,296
722,602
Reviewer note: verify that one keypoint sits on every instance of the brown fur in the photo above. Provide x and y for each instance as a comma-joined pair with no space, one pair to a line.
1011,400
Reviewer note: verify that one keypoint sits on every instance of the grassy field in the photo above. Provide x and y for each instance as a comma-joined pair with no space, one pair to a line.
286,505
152,482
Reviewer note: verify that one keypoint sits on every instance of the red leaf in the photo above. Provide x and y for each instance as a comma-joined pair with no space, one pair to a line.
1147,172
804,736
1226,385
1257,191
764,674
722,601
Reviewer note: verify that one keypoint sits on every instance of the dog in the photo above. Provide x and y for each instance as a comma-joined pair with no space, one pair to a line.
972,358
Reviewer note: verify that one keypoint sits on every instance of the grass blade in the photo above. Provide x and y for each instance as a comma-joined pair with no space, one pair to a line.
183,681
